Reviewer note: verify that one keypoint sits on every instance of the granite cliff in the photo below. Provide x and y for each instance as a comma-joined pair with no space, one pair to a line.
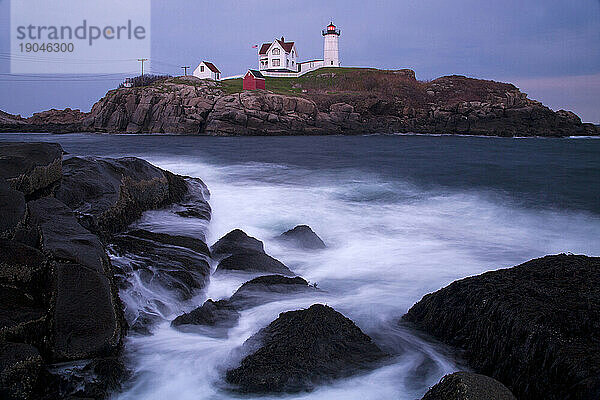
324,102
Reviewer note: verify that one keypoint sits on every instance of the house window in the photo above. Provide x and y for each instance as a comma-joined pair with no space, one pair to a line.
331,62
276,63
202,68
287,64
275,52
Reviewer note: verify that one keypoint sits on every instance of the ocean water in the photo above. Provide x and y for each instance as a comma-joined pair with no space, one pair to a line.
401,216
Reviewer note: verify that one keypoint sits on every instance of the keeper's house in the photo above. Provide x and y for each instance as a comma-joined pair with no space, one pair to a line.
253,80
207,70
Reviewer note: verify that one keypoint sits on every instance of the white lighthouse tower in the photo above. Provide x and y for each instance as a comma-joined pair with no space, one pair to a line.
331,53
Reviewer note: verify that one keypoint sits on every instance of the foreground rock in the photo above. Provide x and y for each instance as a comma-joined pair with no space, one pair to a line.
12,208
220,314
269,288
242,253
302,349
162,262
303,237
58,295
534,327
468,386
332,101
87,317
109,194
235,242
30,167
253,262
261,290
20,367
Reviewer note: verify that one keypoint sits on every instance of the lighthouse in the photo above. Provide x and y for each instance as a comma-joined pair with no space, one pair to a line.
331,53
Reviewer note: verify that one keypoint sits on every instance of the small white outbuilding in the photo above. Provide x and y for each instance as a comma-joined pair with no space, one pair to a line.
207,70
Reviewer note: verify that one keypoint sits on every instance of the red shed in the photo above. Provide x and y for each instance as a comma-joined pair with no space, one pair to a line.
254,80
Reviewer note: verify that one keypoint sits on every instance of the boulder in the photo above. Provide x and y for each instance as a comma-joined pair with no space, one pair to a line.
236,241
108,194
302,349
30,167
23,267
468,386
534,327
63,238
12,208
195,203
253,262
212,313
22,317
261,290
268,288
87,316
86,320
175,263
303,236
96,379
20,367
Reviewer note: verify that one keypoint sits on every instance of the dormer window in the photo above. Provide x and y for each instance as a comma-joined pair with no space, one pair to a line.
275,52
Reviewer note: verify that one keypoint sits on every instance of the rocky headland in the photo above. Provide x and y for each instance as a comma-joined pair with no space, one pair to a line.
329,101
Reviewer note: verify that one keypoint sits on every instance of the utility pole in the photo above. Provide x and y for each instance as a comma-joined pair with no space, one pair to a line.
185,68
142,61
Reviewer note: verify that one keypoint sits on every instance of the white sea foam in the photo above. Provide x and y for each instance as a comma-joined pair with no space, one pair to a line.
388,244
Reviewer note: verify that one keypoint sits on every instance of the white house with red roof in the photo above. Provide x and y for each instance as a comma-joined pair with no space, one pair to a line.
280,58
207,70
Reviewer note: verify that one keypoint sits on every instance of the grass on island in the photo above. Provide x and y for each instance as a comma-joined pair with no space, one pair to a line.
322,79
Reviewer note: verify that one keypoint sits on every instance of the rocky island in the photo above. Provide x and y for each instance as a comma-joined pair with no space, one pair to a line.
328,101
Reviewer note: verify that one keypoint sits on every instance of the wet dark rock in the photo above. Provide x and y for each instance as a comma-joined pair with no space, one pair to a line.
175,263
468,386
253,262
12,209
302,349
87,317
195,204
304,237
23,267
240,252
64,238
187,242
109,194
211,313
20,366
22,317
95,379
236,241
199,211
534,327
30,167
268,288
261,290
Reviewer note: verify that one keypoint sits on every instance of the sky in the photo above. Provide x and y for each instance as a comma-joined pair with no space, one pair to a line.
550,49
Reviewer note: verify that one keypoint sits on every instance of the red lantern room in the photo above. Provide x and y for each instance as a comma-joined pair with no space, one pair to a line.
331,30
